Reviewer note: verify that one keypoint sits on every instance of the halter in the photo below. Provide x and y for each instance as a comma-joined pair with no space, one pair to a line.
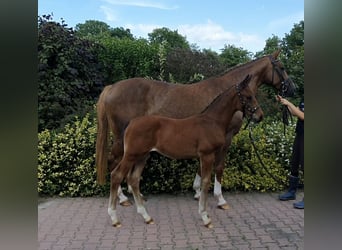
284,88
284,82
245,105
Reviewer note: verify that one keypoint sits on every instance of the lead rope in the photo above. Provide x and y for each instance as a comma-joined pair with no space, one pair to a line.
260,160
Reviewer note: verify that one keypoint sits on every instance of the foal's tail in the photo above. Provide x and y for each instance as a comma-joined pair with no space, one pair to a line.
101,139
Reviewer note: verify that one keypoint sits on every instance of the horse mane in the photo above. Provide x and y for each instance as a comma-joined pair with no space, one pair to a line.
240,65
243,83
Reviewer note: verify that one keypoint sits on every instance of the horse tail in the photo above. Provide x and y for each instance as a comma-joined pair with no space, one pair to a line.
101,139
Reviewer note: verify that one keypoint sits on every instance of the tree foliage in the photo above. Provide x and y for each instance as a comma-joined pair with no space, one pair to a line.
93,29
232,55
293,47
183,64
173,38
126,58
69,73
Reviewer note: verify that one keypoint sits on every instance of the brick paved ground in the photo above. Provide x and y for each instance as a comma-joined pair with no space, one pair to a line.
254,221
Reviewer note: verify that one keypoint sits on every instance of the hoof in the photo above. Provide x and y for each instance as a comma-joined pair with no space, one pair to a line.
209,225
224,206
126,203
117,224
144,198
150,222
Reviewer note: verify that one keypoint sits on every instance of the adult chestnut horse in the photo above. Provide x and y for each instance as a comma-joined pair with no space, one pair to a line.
121,102
200,136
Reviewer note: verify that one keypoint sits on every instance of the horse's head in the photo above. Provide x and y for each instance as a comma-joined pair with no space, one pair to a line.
278,77
250,105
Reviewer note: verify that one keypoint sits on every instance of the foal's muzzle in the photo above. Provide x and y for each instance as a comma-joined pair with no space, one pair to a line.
256,114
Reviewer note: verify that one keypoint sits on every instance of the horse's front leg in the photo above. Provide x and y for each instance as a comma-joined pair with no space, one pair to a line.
207,162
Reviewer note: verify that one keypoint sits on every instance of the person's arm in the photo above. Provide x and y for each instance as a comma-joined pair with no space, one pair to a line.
293,109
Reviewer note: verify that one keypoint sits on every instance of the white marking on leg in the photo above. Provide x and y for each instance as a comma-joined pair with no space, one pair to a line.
112,211
113,215
197,186
142,210
121,195
130,189
218,193
203,213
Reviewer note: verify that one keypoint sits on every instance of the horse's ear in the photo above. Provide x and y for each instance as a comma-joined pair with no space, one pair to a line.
276,53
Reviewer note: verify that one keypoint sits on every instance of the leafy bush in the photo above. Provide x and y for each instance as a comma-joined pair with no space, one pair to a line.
245,171
66,162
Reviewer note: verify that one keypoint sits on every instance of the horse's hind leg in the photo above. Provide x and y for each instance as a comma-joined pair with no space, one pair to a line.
116,177
133,179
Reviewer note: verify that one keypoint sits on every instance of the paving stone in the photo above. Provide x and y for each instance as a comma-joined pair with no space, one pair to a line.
254,221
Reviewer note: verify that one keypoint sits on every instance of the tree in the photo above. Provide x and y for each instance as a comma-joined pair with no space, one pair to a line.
173,39
272,44
293,52
92,28
232,56
125,58
186,65
120,32
70,75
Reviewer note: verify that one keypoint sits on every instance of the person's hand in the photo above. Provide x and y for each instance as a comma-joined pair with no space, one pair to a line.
282,100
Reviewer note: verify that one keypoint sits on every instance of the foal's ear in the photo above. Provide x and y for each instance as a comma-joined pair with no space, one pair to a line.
276,53
246,81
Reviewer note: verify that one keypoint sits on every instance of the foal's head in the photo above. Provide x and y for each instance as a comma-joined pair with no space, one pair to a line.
250,105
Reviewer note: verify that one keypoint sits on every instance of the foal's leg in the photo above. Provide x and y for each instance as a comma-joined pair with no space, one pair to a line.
133,180
197,184
117,153
207,162
219,166
221,202
116,177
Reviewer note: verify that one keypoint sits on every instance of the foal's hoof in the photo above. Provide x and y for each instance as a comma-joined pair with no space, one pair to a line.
117,224
209,225
150,222
126,203
224,206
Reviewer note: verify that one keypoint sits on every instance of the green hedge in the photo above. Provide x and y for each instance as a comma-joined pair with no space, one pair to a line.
66,162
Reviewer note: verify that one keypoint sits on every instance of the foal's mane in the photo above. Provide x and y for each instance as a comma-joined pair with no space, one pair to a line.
244,84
